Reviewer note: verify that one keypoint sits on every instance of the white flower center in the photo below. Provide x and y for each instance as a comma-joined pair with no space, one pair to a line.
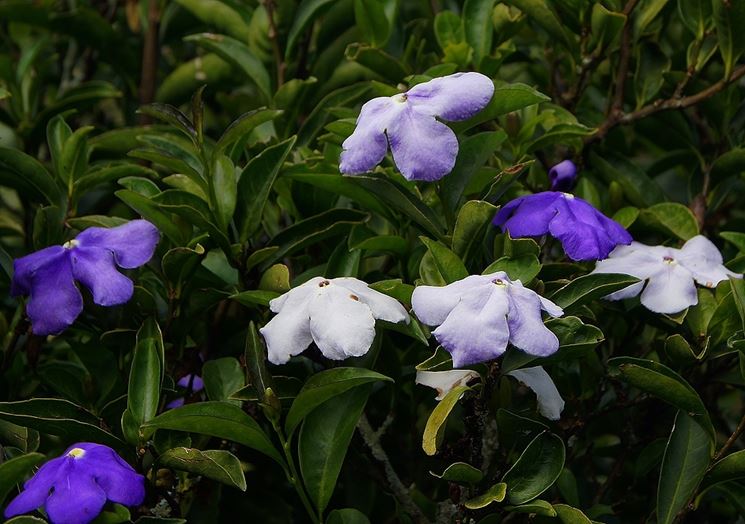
324,283
568,196
400,98
76,453
498,282
69,245
668,260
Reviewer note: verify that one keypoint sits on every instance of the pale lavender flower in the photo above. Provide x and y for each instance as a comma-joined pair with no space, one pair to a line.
338,314
478,315
584,232
668,275
562,176
423,148
49,275
445,381
550,403
73,488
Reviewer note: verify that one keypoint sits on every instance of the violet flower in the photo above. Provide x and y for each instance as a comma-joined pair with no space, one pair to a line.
423,148
192,383
478,315
668,275
584,232
73,488
338,314
49,275
562,176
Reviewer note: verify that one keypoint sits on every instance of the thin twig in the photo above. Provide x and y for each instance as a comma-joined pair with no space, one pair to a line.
623,61
274,37
730,441
149,59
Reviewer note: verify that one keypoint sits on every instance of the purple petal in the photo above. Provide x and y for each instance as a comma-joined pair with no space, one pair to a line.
55,302
119,481
176,403
77,498
527,330
35,490
476,329
95,268
366,146
562,176
432,304
133,243
454,97
25,267
197,384
423,148
528,216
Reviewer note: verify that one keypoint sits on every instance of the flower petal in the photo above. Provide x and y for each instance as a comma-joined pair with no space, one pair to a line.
119,481
454,97
366,146
670,290
702,258
133,243
562,175
298,294
55,302
341,325
527,330
423,148
95,268
382,306
550,403
35,490
432,304
638,260
476,329
191,381
77,498
25,267
445,381
288,333
528,216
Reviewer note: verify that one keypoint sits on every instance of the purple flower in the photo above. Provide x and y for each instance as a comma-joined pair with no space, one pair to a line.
584,232
562,176
478,315
73,488
190,382
423,148
49,275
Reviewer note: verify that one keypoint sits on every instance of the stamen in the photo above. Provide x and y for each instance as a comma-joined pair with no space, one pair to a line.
70,244
76,453
568,196
400,98
498,282
323,283
354,297
668,259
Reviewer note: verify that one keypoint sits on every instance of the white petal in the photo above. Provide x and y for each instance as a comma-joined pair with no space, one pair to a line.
627,292
342,326
702,258
298,294
445,381
550,403
382,306
670,290
288,333
527,330
637,260
432,304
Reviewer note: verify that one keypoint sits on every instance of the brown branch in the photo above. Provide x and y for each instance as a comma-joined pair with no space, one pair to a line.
149,59
623,61
730,441
274,37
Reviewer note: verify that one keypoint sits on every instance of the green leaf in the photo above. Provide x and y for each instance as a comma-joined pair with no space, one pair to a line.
15,471
569,515
224,190
605,25
318,118
371,21
448,264
735,238
434,431
536,469
478,27
255,184
729,19
345,186
672,218
325,385
304,16
170,115
324,439
255,357
506,99
27,176
687,456
377,60
240,55
242,126
652,64
695,15
639,188
73,161
217,419
219,14
222,377
587,288
26,519
665,384
537,506
347,516
255,297
524,268
731,467
542,14
460,472
496,493
218,465
152,212
730,163
473,221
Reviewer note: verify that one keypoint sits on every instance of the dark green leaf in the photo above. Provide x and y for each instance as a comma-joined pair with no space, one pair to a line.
15,471
587,288
536,469
218,465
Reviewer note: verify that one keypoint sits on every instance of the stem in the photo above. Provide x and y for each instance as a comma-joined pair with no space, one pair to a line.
274,37
15,330
149,59
730,441
292,473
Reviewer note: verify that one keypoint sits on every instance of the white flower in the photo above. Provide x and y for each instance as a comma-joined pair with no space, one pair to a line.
550,403
669,274
338,314
445,381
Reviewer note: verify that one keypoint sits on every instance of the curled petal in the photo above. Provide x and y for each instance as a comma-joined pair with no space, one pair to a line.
702,258
288,333
423,148
24,268
296,295
133,243
76,499
35,490
454,97
95,269
550,403
432,304
528,216
119,481
562,175
55,302
366,146
670,290
445,381
341,325
382,306
527,330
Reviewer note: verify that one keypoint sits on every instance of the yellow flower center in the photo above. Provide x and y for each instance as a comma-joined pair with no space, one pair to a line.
70,244
76,453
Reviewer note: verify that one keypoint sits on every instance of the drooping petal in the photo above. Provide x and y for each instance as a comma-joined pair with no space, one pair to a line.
550,308
25,267
432,304
562,175
670,290
382,306
341,325
454,97
55,302
702,258
35,490
95,268
119,481
445,381
288,333
366,146
476,329
638,260
423,148
133,243
550,403
627,292
527,330
528,216
297,294
77,498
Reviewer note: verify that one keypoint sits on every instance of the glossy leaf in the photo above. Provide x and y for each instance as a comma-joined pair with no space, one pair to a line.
536,469
434,431
218,465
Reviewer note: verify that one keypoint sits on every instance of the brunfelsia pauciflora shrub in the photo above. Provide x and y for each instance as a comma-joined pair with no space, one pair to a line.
212,321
